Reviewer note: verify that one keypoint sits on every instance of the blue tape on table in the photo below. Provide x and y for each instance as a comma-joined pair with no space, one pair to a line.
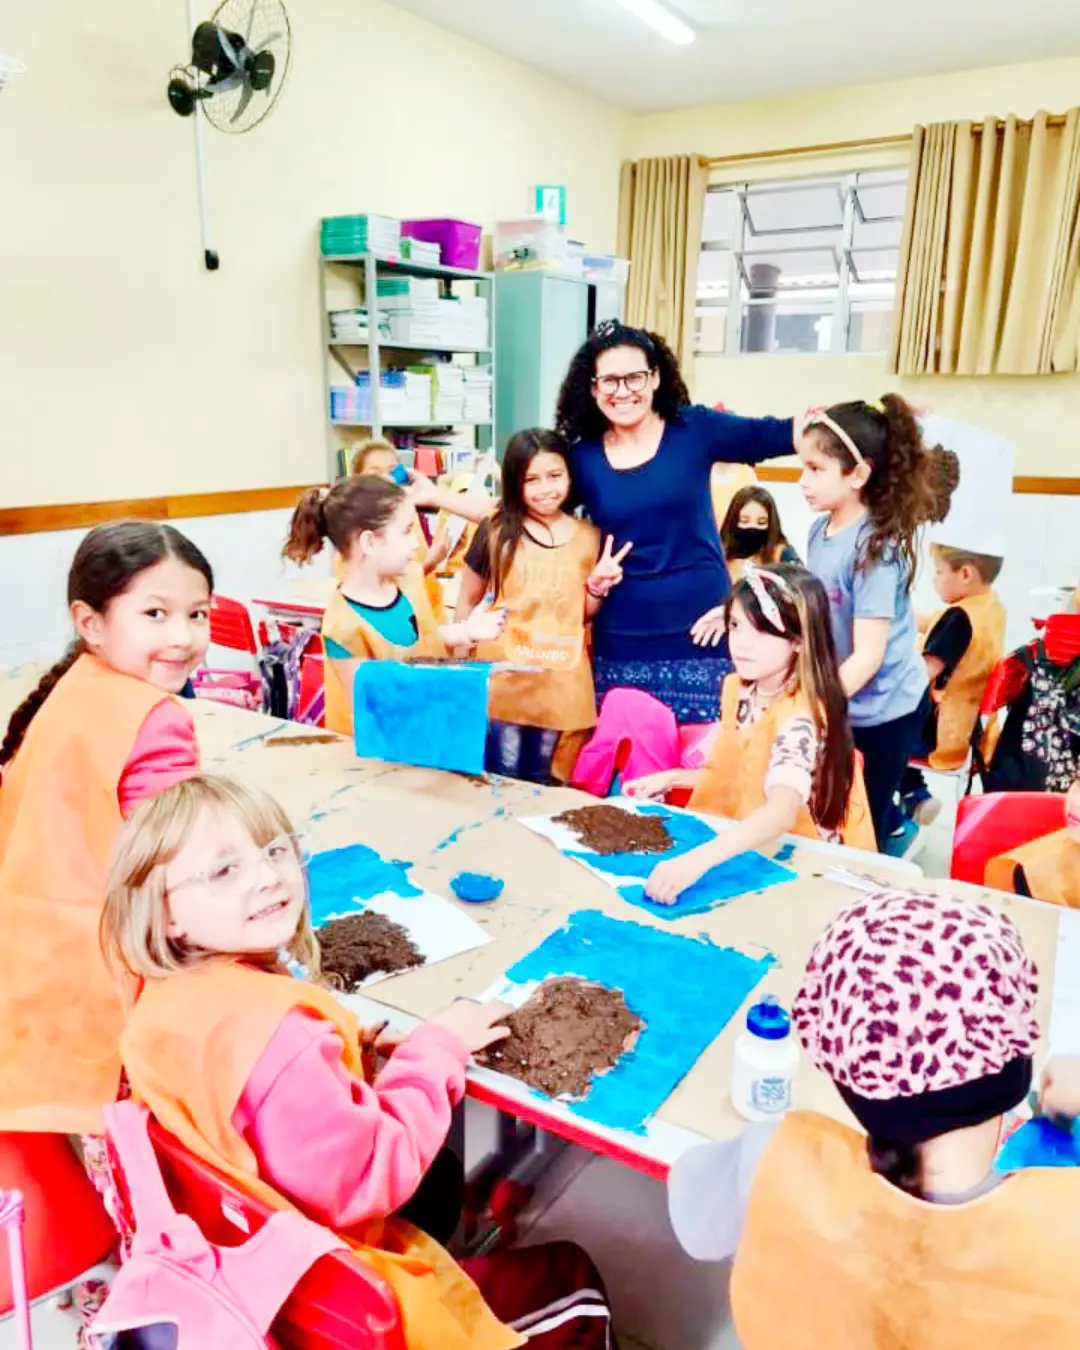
1040,1143
344,878
685,990
741,875
434,717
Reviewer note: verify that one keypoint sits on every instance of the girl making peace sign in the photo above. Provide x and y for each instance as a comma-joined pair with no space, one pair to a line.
547,570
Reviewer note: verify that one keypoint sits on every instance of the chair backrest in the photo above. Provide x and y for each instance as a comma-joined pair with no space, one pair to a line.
340,1304
312,701
230,626
67,1230
997,822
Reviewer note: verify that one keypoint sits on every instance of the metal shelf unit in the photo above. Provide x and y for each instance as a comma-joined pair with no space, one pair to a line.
363,271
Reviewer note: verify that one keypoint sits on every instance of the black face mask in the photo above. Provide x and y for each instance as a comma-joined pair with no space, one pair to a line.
747,543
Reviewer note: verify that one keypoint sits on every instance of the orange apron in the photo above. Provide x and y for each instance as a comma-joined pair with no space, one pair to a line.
958,703
60,1009
1051,867
544,596
190,1046
732,784
833,1257
343,625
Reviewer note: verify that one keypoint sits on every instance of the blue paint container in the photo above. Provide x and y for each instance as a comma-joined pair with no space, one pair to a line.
476,888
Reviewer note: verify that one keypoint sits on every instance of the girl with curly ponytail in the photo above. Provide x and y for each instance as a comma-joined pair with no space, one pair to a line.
864,466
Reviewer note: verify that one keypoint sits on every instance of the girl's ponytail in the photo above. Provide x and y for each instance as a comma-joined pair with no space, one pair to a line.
29,708
307,529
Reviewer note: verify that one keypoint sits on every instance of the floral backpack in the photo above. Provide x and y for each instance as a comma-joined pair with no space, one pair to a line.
178,1291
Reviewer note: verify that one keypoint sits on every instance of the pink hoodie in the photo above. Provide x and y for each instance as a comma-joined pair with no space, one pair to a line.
345,1150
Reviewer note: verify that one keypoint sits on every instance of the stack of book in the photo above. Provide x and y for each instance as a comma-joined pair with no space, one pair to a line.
420,251
479,383
349,325
414,312
360,234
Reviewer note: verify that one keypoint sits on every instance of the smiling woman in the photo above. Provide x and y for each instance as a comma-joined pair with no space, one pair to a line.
98,734
642,457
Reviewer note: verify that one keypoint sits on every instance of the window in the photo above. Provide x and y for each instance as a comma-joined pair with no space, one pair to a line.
802,266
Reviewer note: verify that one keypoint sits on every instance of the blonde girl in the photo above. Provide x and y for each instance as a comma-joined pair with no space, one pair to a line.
547,569
782,759
378,610
269,1078
101,732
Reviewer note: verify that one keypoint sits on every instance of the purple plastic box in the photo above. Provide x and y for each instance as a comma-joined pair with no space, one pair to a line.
460,241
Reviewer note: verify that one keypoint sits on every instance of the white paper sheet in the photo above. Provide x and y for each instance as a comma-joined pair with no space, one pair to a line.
438,929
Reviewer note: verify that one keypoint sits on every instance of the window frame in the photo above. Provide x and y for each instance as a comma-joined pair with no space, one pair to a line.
845,252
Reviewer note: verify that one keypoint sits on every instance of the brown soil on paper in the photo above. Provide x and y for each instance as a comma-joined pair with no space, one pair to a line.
569,1032
607,829
360,945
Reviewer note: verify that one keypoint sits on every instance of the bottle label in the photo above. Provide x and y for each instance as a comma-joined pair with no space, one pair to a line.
771,1096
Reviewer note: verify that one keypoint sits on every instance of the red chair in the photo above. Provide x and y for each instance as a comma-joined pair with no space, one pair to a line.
340,1304
230,626
312,701
67,1232
993,824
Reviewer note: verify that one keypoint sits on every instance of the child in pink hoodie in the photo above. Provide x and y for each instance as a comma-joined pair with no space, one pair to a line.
268,1077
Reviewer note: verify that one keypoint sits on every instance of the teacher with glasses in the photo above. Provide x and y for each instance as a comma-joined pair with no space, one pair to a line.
642,457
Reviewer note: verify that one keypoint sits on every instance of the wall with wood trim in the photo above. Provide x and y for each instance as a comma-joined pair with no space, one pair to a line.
126,369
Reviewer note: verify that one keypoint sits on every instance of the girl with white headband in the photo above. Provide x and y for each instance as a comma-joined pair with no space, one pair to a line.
864,466
782,758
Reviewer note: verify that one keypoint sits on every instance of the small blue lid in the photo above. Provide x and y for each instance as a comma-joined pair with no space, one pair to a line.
768,1020
400,475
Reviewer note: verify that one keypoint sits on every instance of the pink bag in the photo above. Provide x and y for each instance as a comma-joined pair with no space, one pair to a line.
177,1291
635,735
11,1218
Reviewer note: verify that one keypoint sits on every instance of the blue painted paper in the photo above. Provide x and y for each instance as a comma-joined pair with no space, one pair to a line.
344,878
434,717
1040,1143
743,874
686,990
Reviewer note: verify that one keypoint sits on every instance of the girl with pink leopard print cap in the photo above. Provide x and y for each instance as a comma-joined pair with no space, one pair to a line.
921,1009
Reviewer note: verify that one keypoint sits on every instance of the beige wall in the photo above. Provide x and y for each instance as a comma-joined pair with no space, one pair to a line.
125,369
1041,413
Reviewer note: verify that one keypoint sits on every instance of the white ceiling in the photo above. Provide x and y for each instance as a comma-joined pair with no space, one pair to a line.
747,48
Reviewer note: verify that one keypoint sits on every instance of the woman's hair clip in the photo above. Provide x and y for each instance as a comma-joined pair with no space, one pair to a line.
635,337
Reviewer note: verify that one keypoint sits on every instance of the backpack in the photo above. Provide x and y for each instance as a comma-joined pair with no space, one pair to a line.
635,735
279,668
176,1290
1039,747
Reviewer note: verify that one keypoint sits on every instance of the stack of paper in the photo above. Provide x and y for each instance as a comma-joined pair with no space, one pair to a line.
478,393
360,234
448,393
421,251
414,312
349,325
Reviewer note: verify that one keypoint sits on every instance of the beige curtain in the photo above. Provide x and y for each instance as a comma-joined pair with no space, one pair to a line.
989,278
660,207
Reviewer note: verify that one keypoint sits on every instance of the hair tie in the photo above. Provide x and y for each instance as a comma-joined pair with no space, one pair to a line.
877,406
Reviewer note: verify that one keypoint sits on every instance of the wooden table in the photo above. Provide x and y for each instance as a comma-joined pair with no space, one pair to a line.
444,824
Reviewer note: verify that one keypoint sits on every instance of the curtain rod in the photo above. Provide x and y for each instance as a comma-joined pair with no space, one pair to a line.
827,147
832,147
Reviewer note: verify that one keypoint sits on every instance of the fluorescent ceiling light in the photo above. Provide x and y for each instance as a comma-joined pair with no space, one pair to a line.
661,20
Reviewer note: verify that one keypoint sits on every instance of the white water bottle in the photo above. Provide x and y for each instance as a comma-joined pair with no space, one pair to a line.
766,1056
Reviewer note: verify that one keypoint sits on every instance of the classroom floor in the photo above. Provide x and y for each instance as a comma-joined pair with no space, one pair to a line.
619,1216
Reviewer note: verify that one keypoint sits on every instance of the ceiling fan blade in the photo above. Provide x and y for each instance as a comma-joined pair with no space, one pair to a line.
245,99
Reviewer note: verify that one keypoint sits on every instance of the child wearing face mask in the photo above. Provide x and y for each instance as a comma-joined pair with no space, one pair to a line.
269,1078
751,532
782,760
378,611
102,731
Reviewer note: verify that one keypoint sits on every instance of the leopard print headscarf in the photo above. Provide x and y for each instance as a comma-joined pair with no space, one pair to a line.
907,992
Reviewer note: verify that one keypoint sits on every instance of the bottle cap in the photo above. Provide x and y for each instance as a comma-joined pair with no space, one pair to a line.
768,1020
